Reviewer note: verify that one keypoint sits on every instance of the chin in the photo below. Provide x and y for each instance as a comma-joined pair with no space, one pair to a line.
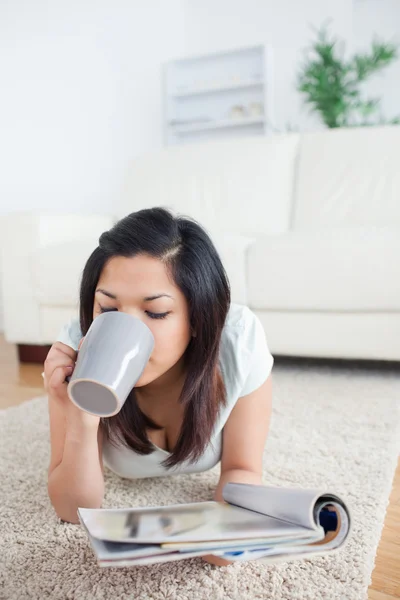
144,379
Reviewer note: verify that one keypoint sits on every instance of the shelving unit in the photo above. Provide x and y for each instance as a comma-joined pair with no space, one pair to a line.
224,123
220,88
220,94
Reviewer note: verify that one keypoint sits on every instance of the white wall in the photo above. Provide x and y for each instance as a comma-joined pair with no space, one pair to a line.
80,96
286,25
380,18
81,91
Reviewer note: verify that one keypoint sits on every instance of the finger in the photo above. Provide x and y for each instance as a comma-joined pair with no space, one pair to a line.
80,343
64,349
58,360
58,376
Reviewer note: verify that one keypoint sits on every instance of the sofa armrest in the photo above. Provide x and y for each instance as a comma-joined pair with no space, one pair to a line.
23,235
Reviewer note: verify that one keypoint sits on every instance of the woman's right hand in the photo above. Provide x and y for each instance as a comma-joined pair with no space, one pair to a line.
60,364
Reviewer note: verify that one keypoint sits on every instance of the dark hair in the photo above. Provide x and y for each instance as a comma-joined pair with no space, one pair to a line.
196,268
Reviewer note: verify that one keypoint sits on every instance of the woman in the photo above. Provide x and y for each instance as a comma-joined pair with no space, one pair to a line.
205,394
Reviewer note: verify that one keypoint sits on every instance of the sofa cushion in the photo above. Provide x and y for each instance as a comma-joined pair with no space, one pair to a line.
57,268
348,269
232,249
348,177
245,185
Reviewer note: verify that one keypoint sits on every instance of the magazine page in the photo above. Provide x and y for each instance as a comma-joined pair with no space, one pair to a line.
118,552
299,506
149,560
335,521
194,522
305,538
283,551
114,551
234,552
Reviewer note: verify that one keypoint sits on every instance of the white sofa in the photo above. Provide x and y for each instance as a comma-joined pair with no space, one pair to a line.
308,227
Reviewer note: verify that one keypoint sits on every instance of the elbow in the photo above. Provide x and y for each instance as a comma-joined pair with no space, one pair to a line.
66,507
67,518
70,515
65,512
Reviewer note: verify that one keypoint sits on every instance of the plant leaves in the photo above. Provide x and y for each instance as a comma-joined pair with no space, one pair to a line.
331,85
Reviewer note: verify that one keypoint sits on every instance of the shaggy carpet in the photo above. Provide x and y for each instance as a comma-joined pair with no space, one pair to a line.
335,427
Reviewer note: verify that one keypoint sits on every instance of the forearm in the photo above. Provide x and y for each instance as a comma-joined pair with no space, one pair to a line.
235,476
78,480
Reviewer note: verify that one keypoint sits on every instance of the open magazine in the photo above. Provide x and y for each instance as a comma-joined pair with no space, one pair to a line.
255,522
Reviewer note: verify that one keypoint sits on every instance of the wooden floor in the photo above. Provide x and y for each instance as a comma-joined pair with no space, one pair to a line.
19,383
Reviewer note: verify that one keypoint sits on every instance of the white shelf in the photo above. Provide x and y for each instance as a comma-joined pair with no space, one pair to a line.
200,94
223,123
195,58
219,88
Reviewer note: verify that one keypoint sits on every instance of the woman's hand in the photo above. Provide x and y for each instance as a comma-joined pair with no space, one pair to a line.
217,560
60,364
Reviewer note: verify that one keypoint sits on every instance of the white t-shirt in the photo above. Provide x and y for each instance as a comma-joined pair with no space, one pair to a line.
245,362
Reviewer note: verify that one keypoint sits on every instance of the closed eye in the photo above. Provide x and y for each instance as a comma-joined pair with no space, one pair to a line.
157,315
104,310
152,315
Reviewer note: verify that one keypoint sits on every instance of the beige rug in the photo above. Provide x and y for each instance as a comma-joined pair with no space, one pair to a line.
333,426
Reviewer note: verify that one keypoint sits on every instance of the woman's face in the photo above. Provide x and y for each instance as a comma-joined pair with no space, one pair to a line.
141,286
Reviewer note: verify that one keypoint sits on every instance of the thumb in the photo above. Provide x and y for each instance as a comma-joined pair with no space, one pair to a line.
58,378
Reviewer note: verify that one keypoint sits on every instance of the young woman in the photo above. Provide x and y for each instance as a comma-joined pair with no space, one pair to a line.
205,394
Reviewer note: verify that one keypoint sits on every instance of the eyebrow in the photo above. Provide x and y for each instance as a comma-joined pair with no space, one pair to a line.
147,299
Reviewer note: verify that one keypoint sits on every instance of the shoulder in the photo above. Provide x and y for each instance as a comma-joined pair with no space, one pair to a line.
245,359
242,325
242,321
70,334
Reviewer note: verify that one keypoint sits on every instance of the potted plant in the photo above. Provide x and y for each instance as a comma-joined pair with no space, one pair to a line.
332,85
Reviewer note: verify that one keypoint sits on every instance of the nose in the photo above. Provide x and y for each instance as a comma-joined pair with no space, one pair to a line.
134,312
137,313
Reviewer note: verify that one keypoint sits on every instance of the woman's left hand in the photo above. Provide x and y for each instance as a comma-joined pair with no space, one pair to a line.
217,560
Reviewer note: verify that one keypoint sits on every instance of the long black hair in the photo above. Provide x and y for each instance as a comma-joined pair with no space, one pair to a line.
196,268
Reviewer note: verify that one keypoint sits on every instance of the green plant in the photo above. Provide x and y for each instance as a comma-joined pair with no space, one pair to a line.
332,85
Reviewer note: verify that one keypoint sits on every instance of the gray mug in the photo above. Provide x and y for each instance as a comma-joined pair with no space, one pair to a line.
112,358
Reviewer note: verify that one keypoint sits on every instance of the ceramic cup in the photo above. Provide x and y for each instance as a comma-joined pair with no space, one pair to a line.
110,361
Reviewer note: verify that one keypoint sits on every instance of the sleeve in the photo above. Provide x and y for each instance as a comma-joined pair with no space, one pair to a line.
71,334
259,359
